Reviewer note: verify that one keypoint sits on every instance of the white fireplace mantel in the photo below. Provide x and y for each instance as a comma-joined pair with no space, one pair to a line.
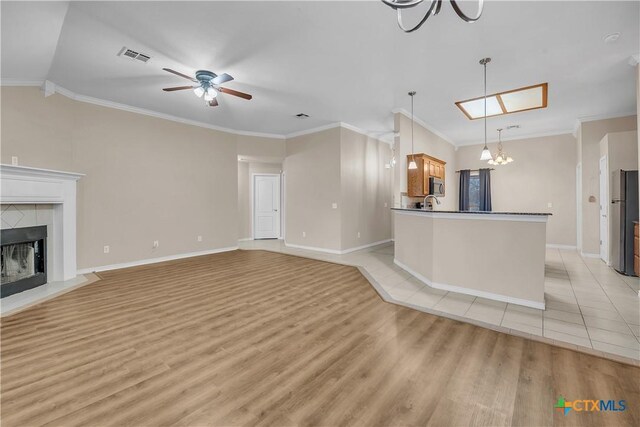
26,185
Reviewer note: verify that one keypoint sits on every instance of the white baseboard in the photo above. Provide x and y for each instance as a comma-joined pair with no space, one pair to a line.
312,248
566,247
472,292
336,251
358,248
154,260
245,239
589,255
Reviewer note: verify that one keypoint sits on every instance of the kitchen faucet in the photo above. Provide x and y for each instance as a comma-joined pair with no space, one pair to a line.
429,206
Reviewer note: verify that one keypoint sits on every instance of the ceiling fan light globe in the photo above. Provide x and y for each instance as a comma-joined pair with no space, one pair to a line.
199,91
208,97
212,92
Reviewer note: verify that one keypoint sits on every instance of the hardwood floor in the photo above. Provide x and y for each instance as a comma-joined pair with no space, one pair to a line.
260,338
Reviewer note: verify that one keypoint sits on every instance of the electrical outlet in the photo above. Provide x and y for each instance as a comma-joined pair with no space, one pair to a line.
304,234
199,238
549,205
358,234
106,249
14,160
156,243
386,204
334,206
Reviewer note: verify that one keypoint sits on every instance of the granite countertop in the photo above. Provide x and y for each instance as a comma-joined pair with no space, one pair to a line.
472,212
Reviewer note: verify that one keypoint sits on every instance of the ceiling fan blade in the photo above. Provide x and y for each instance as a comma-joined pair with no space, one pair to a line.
213,102
180,74
222,78
171,89
235,93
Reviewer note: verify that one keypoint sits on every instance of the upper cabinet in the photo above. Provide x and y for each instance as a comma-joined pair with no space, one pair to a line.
418,179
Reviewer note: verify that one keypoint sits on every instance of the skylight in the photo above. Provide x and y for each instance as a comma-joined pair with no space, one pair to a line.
512,101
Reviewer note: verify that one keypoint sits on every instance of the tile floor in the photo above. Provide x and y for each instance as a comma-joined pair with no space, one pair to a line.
589,306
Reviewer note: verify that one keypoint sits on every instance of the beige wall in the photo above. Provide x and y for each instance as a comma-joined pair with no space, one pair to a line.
448,251
338,166
366,188
265,149
244,201
621,149
426,142
543,172
245,189
146,178
591,133
312,185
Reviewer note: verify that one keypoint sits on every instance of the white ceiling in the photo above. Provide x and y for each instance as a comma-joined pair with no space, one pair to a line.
336,61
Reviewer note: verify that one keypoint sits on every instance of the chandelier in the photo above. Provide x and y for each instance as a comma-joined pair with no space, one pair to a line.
434,9
501,158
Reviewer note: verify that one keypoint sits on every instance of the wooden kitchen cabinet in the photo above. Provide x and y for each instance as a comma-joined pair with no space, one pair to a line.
418,179
636,250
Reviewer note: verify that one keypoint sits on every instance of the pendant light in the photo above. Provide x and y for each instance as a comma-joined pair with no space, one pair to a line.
501,158
412,163
486,154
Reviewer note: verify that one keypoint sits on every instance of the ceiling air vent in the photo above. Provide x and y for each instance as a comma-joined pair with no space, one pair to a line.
132,54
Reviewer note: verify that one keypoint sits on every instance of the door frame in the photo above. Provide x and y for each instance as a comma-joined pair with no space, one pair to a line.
579,206
253,198
603,219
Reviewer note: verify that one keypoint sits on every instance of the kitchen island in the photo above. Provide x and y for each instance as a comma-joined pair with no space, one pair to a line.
494,255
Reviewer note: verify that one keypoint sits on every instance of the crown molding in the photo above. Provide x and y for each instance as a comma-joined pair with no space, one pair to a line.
586,119
52,87
313,130
424,125
576,128
334,125
16,82
521,137
366,133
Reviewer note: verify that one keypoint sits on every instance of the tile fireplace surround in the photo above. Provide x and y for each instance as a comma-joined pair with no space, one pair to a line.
22,185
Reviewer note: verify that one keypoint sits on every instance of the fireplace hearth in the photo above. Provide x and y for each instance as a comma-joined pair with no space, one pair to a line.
23,256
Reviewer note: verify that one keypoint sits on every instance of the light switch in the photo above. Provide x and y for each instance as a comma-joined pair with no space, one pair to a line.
14,160
334,206
549,205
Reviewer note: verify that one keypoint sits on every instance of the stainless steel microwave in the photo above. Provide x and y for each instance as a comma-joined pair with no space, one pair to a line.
436,186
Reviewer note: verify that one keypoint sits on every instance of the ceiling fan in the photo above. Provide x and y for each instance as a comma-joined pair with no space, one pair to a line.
208,85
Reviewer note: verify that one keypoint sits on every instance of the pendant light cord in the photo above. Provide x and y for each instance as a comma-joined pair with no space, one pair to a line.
412,151
485,104
413,157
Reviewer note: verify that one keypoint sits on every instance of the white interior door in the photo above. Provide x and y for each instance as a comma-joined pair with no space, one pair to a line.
266,206
604,210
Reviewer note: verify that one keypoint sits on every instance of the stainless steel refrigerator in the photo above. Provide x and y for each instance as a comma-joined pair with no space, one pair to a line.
624,210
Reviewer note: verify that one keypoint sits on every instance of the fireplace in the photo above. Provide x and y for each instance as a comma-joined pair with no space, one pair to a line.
23,255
